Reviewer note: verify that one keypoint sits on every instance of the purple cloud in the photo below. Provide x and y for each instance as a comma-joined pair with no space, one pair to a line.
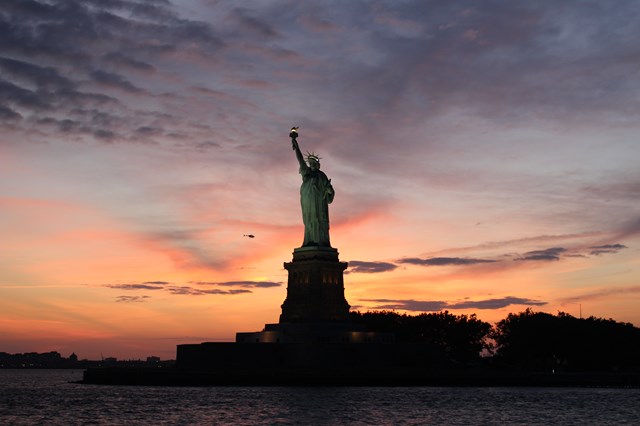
496,303
439,305
148,285
443,261
607,249
112,49
409,304
190,291
193,291
242,284
131,299
357,266
114,81
543,255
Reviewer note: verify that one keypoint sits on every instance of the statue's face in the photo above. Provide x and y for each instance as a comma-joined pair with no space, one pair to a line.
314,165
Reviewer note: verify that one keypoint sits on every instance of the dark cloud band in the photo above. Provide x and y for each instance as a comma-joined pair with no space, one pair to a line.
438,305
357,266
242,287
443,261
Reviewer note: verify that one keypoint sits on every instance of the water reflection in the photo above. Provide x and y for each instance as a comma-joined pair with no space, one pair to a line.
46,397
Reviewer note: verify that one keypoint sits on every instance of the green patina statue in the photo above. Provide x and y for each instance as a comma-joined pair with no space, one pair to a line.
316,193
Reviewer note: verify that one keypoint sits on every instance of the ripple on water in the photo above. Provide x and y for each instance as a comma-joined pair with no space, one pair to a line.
47,397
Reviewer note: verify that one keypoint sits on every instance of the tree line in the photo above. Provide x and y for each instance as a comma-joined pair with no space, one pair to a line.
528,341
53,359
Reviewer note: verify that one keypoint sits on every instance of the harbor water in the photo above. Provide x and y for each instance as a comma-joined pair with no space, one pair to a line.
50,397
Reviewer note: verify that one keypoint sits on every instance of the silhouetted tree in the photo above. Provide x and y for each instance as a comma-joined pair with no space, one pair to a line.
454,338
539,341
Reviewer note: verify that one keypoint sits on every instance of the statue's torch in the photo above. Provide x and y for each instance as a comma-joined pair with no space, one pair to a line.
293,135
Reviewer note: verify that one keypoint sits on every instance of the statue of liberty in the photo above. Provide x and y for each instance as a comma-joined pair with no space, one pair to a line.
316,193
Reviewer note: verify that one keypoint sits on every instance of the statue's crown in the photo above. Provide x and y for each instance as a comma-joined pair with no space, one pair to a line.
312,157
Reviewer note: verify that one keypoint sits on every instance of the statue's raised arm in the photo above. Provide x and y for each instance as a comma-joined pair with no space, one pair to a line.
316,193
294,144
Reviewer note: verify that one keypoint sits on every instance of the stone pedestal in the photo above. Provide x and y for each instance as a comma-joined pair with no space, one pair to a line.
315,290
315,311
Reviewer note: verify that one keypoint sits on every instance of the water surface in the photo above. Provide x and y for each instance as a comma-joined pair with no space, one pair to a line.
47,397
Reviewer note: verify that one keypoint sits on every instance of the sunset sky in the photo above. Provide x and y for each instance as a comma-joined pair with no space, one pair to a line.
485,157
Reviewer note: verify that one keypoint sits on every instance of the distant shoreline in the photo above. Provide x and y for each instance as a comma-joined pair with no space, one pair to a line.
395,377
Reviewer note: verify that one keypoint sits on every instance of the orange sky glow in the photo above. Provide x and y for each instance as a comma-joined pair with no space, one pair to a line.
481,165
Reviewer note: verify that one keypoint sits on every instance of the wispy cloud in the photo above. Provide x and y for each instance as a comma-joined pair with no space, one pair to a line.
132,299
443,261
242,284
496,303
242,287
358,266
439,305
114,81
543,255
607,249
408,304
148,285
192,291
600,294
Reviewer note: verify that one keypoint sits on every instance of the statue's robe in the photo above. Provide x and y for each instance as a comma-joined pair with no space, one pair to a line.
316,193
